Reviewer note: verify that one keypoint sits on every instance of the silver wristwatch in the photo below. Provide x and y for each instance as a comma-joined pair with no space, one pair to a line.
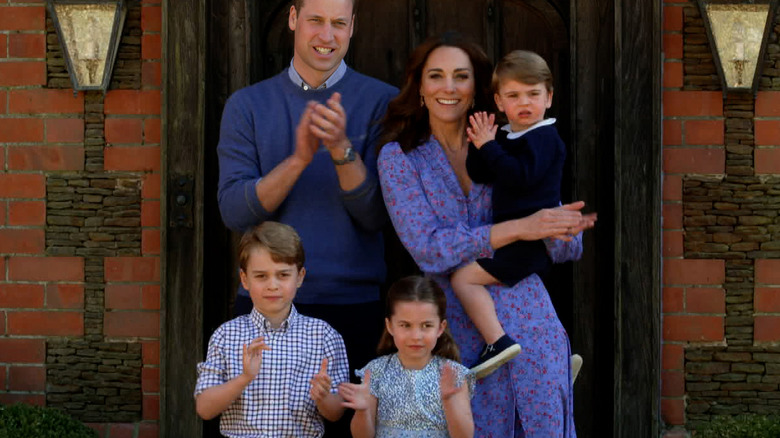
349,156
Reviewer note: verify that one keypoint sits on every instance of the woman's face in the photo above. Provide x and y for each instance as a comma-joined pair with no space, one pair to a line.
447,85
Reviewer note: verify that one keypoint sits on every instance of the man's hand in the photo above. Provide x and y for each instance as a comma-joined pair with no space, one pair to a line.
483,128
320,383
253,357
306,143
329,124
357,396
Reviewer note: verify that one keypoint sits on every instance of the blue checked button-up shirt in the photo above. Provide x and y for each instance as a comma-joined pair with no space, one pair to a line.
276,404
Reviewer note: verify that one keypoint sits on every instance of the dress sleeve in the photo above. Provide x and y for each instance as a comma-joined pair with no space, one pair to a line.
376,366
561,251
463,376
437,246
213,371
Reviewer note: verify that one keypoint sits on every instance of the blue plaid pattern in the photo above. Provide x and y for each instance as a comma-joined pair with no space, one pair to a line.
276,404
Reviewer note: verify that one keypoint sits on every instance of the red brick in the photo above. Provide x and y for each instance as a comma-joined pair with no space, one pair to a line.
672,188
151,47
150,352
150,379
22,185
123,131
150,214
693,328
673,74
132,158
150,297
150,242
144,102
22,241
767,300
121,430
673,299
766,328
150,188
767,132
673,46
768,104
673,216
672,132
64,296
2,324
767,271
694,160
123,296
46,158
673,243
672,356
672,384
28,213
45,101
704,132
46,268
26,378
151,19
100,428
151,73
673,18
21,130
3,43
132,269
693,103
22,350
26,45
705,300
20,73
151,407
151,131
673,411
131,324
22,18
682,271
64,130
46,323
148,430
26,398
2,268
3,388
3,100
21,296
3,209
767,160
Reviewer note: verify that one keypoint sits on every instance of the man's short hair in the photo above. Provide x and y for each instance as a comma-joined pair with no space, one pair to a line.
280,240
523,66
299,4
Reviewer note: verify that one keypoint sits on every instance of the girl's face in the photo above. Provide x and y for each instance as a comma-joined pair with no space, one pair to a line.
415,327
447,85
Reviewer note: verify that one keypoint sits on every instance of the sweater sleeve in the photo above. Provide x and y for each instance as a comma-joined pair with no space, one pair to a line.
437,246
523,166
478,170
239,169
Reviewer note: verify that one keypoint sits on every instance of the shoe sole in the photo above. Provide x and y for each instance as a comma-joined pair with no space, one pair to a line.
576,365
485,369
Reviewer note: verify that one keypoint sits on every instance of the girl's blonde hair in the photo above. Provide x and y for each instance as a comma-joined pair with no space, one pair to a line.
417,288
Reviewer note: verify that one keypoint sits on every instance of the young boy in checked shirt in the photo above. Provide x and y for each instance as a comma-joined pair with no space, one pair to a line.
272,372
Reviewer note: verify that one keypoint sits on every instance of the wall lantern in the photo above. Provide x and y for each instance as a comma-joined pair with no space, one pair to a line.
89,33
738,31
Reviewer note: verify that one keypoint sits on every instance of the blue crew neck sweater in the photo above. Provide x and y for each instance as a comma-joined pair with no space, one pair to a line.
340,230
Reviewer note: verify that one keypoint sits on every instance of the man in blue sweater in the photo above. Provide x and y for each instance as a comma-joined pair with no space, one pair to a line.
299,148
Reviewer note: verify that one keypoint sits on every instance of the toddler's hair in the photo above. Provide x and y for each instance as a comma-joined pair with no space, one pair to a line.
416,288
522,66
279,239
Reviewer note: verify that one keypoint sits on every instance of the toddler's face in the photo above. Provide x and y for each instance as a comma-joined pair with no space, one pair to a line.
523,104
415,327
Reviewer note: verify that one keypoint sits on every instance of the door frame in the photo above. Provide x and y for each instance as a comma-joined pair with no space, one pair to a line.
619,39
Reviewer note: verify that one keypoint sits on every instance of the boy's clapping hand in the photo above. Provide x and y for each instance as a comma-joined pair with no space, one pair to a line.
253,356
320,383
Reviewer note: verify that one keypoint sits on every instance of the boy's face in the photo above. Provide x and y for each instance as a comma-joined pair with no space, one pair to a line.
523,104
271,285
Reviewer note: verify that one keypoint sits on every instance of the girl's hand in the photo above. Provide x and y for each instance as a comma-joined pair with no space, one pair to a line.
253,357
356,396
447,382
320,383
483,128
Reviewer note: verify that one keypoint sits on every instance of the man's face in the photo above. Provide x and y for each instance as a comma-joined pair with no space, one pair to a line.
322,32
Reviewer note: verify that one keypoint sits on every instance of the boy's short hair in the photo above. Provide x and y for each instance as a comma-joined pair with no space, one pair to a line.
280,240
523,66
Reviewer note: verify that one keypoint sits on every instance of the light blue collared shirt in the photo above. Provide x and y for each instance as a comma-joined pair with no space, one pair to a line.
331,81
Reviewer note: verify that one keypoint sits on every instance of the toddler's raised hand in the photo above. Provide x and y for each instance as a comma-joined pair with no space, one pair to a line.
357,396
320,383
447,383
253,357
483,128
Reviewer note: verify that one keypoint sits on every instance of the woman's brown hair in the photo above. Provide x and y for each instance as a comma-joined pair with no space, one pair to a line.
416,288
405,120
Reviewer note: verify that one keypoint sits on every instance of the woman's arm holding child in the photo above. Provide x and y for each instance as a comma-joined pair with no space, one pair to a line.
359,398
329,405
457,406
214,400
